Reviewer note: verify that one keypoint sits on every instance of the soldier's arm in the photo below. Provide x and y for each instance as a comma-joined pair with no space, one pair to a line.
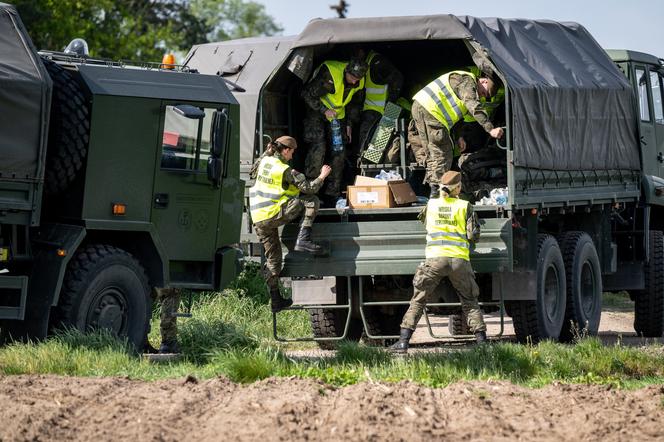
354,108
466,90
472,224
384,72
320,85
254,168
297,179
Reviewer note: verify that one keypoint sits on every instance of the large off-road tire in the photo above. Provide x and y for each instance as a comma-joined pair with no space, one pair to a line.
649,303
384,323
542,318
584,285
69,129
327,323
106,288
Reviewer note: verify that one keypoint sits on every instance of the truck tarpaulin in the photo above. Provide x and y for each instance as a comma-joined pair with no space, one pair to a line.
571,108
25,91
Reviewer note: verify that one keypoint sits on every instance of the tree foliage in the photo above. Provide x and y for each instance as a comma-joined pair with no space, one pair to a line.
141,29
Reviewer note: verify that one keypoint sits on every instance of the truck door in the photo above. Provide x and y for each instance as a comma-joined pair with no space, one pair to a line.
658,114
186,199
653,156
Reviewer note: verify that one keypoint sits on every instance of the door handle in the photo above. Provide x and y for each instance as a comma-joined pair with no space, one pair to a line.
160,200
643,141
660,157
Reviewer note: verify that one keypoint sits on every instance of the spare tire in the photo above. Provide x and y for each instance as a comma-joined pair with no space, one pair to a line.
69,129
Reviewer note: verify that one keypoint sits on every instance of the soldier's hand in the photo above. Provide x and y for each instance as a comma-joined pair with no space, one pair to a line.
330,114
462,144
325,171
349,133
497,132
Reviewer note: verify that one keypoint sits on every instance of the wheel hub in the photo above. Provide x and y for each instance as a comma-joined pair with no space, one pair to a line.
108,311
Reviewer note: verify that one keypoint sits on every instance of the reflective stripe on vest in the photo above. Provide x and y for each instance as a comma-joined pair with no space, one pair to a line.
446,229
336,100
439,100
267,195
376,94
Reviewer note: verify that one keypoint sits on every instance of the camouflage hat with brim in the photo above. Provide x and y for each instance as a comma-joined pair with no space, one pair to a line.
357,68
287,141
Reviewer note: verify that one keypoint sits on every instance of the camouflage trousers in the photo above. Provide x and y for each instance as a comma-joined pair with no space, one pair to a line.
268,233
169,298
415,142
461,275
437,143
316,135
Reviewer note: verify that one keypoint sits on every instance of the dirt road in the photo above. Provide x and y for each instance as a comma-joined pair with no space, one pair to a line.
51,408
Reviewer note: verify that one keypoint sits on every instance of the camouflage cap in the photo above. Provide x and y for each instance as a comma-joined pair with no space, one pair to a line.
357,68
451,178
287,141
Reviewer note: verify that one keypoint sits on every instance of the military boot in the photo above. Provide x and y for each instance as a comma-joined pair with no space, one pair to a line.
480,337
279,303
401,346
169,347
304,242
435,191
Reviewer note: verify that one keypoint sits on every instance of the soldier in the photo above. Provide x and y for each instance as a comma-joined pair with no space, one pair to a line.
451,226
170,303
382,83
440,105
335,91
275,200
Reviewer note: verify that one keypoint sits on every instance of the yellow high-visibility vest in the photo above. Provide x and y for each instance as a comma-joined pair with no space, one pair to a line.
376,94
446,229
489,106
439,100
336,100
267,195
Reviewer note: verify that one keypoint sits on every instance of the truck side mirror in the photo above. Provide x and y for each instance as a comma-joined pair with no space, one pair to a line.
214,168
189,111
219,133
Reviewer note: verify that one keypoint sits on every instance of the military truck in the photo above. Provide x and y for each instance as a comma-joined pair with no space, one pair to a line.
583,162
115,178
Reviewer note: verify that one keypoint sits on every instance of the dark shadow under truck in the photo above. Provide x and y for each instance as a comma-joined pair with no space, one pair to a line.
584,167
114,179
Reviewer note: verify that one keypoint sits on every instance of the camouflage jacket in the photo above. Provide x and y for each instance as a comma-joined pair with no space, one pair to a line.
466,89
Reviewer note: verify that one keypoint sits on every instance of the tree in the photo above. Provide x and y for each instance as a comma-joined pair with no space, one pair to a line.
141,30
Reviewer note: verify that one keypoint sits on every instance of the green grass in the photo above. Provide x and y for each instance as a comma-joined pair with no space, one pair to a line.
231,335
617,302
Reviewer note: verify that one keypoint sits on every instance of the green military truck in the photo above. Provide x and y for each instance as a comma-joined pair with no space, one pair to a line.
115,179
583,160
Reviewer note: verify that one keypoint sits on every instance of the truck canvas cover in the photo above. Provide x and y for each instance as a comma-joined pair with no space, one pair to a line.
248,62
24,101
571,107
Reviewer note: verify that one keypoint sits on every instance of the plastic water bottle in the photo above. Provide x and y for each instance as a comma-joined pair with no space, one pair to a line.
337,141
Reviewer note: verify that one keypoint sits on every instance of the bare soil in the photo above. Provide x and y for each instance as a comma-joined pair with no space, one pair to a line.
50,408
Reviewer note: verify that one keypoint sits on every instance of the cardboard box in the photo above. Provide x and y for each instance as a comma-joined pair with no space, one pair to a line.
372,193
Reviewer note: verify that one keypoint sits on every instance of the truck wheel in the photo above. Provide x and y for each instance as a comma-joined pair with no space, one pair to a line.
327,323
584,285
543,318
649,303
458,325
106,288
384,323
69,129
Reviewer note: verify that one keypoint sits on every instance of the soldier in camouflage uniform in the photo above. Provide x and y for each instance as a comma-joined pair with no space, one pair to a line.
169,298
451,227
278,197
439,106
326,101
